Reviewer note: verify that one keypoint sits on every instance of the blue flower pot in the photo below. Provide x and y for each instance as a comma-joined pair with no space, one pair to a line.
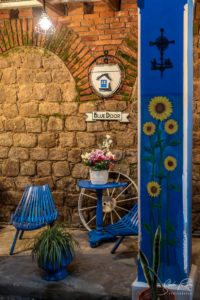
56,273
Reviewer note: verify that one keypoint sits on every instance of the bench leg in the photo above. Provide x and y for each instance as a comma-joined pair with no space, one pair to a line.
14,242
21,234
117,244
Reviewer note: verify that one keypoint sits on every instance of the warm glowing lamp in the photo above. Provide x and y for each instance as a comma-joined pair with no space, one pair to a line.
45,25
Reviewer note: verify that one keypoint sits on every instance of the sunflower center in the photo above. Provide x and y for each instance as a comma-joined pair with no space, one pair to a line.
160,108
171,126
170,163
149,128
154,189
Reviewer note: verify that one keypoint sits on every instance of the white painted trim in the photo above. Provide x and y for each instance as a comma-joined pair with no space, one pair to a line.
139,123
185,135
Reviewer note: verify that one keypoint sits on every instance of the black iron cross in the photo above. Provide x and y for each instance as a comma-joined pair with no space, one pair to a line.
162,43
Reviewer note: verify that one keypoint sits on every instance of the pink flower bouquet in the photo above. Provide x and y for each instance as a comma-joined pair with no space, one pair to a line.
100,159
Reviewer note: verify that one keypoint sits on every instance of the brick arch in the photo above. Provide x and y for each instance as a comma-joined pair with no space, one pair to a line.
65,43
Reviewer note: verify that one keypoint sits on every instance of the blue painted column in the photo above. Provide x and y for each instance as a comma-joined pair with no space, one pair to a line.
165,132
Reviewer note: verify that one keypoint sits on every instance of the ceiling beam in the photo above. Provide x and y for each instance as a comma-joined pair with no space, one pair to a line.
58,8
114,4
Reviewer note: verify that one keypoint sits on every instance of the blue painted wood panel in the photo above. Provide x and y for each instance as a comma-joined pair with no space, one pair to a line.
165,145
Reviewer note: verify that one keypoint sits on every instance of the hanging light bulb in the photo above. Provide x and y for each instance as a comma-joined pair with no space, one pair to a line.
45,25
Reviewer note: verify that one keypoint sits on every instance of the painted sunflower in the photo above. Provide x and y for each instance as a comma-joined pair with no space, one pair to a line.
170,163
153,189
171,126
160,108
149,128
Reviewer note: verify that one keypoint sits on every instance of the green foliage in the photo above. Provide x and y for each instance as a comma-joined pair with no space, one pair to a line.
51,244
151,274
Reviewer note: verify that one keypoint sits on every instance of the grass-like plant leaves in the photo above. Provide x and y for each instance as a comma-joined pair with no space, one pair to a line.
51,244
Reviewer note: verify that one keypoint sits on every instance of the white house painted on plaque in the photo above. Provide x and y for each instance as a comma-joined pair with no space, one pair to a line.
105,79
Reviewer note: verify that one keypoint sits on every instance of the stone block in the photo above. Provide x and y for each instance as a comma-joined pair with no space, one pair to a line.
87,107
18,153
55,124
49,108
33,125
132,156
59,76
4,152
44,180
57,154
44,168
15,125
10,110
80,171
1,124
6,139
125,140
43,77
4,63
50,63
10,168
58,198
61,169
118,154
75,123
38,154
95,126
24,140
39,91
9,76
32,61
47,140
27,168
11,94
2,93
54,93
85,139
25,92
6,184
67,139
69,108
25,76
21,182
29,109
66,183
74,155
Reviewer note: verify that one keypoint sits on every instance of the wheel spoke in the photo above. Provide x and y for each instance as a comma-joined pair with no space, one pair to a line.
117,213
129,199
87,208
111,217
89,196
91,220
104,217
123,191
108,192
119,207
116,181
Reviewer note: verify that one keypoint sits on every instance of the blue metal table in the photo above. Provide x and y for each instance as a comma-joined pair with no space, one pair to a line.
99,235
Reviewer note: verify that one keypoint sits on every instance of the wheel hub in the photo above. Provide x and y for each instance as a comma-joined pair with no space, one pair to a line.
108,204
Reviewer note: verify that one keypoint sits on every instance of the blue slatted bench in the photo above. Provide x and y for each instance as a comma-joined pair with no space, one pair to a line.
35,210
126,226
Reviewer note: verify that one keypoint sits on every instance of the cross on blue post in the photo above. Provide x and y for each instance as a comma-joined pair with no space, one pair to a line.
165,135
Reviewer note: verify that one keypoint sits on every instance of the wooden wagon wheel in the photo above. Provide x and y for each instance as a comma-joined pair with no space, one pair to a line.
116,202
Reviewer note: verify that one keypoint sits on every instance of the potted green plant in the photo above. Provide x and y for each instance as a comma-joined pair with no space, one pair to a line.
54,249
154,292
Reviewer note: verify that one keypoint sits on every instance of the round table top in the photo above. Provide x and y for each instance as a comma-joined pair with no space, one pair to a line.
86,184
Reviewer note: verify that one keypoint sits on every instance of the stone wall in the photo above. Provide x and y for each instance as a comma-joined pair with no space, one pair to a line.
43,131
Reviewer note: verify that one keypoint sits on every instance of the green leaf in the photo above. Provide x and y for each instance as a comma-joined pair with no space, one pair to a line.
149,158
148,149
145,268
170,227
160,175
156,254
172,242
174,187
174,143
148,228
